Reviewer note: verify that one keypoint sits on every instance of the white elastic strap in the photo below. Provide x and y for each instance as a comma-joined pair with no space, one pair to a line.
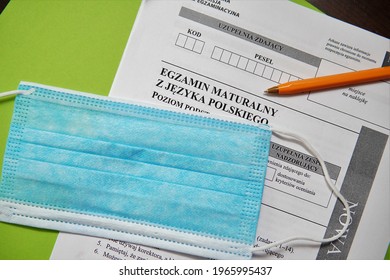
16,92
328,180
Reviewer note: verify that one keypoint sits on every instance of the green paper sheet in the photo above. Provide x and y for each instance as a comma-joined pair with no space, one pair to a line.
71,44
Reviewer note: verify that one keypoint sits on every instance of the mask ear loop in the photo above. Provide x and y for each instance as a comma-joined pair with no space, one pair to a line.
16,92
306,144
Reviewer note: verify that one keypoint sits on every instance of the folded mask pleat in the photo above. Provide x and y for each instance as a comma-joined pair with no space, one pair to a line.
123,196
110,150
134,168
140,129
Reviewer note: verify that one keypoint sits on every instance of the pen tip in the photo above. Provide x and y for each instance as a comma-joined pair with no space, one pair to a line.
272,90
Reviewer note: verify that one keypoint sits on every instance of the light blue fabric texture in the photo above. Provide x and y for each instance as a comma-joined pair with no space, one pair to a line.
77,154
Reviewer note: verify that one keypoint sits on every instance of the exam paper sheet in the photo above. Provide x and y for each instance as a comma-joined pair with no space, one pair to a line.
217,58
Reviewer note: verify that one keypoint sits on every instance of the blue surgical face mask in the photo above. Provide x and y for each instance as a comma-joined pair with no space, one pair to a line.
90,165
86,164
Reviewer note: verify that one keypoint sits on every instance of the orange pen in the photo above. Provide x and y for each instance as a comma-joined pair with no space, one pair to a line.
332,81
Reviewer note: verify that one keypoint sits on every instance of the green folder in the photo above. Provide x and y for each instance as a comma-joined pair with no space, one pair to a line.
71,44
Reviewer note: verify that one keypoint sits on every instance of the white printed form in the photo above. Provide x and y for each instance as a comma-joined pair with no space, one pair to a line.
217,58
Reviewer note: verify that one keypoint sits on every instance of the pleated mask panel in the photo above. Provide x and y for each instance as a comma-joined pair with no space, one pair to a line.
173,180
